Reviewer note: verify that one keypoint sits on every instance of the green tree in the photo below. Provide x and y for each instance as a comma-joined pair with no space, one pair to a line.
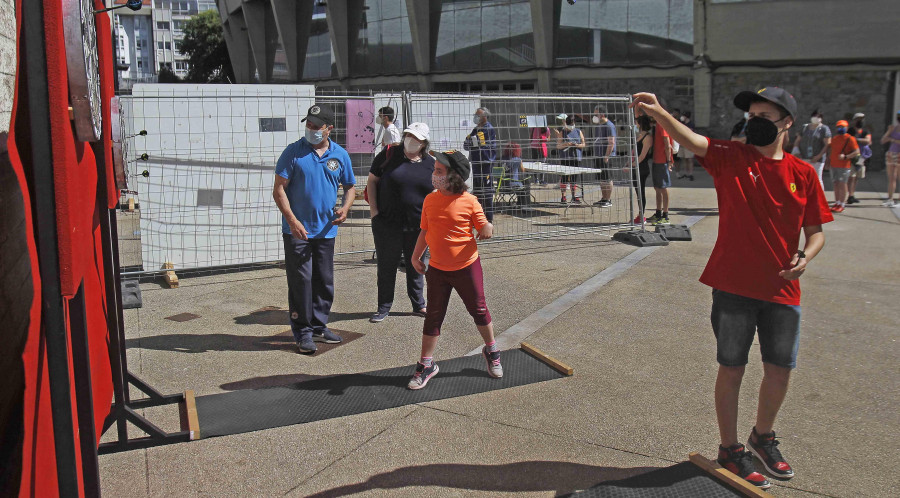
166,75
205,48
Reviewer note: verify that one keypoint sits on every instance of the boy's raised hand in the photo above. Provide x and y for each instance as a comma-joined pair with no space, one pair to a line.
645,103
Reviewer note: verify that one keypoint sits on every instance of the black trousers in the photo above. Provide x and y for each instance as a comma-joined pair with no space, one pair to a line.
641,187
392,242
310,274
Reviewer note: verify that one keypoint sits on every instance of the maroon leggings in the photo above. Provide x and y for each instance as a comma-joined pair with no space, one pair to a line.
469,284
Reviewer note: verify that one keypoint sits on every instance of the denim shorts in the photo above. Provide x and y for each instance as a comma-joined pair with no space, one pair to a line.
735,321
659,173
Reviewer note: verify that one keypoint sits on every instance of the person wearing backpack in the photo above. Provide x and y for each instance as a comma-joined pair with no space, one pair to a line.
812,143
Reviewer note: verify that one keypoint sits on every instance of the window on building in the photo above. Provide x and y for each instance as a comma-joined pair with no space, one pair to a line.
272,124
180,65
485,35
178,44
163,25
594,32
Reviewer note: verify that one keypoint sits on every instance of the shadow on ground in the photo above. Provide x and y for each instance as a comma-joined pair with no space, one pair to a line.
531,476
201,343
273,315
335,387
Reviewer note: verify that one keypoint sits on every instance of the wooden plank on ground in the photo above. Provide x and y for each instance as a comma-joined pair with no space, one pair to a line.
549,360
731,480
192,419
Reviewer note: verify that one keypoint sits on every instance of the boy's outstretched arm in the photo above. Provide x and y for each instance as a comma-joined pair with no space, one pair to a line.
647,103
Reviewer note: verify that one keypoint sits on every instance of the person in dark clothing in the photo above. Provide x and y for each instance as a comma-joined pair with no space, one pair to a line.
482,145
645,157
399,180
863,136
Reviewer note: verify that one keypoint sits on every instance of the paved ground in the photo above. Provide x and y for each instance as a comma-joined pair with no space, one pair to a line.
640,399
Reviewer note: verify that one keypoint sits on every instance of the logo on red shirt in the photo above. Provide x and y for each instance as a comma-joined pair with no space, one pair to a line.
752,175
793,188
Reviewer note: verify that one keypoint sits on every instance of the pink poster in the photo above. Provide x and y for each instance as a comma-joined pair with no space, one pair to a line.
360,126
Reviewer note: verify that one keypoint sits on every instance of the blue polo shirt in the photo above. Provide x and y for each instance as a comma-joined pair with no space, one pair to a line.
313,183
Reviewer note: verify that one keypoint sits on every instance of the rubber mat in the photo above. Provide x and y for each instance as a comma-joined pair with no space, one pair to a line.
342,395
684,480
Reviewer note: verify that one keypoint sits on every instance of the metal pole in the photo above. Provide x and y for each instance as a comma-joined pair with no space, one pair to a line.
407,112
84,396
52,316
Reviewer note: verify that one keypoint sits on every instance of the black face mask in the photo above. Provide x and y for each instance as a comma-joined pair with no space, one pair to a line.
761,132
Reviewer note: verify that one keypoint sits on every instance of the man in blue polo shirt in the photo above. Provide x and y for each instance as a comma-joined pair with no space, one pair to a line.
306,185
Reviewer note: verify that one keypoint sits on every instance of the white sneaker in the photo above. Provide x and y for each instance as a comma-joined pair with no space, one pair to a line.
888,203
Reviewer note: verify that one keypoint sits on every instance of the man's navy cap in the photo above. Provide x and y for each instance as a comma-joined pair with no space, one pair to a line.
454,160
772,94
319,115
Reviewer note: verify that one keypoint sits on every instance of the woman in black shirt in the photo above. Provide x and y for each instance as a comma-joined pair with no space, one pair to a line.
399,180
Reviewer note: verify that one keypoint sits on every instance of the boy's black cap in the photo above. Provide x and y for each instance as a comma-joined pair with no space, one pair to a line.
455,160
319,115
773,94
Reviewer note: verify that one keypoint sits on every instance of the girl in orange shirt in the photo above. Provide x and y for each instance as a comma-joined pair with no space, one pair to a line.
448,215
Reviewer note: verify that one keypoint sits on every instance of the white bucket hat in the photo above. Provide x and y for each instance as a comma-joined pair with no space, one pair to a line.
418,130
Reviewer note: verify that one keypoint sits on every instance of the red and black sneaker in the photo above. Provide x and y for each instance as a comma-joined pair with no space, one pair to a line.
739,462
766,450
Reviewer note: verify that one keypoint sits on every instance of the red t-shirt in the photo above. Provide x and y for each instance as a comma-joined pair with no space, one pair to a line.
763,206
659,145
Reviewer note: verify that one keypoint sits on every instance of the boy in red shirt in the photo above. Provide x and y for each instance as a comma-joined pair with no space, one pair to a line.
766,198
843,148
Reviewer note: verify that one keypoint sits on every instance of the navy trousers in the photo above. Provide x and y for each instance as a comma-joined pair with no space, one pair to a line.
310,275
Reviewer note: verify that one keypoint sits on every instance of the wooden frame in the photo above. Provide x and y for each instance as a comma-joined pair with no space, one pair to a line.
549,360
714,469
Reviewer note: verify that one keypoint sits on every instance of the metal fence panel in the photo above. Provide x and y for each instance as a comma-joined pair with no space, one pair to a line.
204,193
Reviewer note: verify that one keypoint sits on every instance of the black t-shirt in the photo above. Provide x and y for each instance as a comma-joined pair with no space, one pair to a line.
402,186
858,133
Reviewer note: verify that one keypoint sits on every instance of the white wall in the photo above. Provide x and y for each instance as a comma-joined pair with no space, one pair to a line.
208,137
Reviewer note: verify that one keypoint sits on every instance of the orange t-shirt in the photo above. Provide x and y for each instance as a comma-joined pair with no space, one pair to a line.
447,221
841,144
